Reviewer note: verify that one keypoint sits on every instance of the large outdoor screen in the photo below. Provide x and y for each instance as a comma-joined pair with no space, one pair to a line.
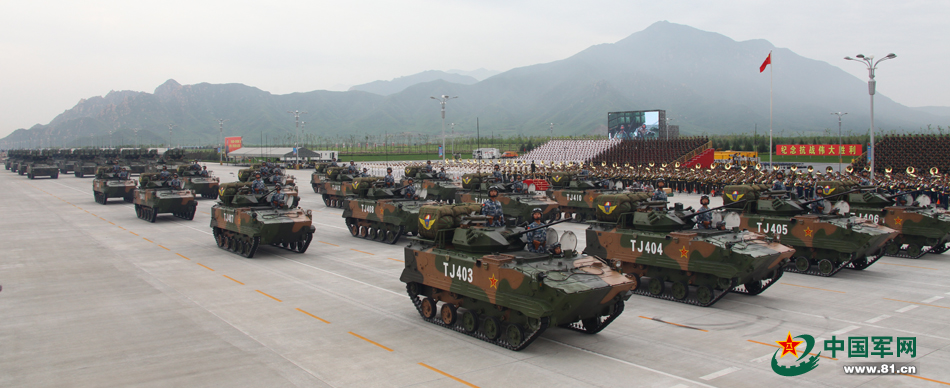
641,124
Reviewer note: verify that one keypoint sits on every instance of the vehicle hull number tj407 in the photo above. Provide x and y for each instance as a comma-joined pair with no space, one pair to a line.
229,217
650,247
457,272
772,228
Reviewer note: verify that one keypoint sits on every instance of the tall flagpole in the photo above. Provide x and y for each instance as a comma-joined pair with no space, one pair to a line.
771,148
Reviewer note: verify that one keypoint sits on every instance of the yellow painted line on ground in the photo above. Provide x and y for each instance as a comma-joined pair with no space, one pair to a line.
390,258
120,227
133,233
143,238
94,214
262,293
368,340
930,380
113,223
163,247
362,252
813,288
182,256
776,346
674,324
206,213
912,266
209,268
324,242
321,319
233,279
922,304
449,376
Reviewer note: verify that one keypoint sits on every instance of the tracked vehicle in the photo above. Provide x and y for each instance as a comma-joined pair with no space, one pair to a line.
378,213
490,288
318,176
658,246
109,184
288,183
437,189
155,196
514,205
575,197
923,229
205,186
337,187
242,221
824,243
40,163
85,162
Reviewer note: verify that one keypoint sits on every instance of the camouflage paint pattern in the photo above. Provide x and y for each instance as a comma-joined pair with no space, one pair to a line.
108,185
517,206
392,212
270,224
822,236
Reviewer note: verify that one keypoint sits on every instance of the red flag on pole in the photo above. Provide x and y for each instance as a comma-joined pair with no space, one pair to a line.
768,61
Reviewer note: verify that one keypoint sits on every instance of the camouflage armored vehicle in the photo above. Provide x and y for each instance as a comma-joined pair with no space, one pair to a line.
824,243
242,221
923,229
318,176
22,161
575,197
378,213
155,196
206,186
515,205
64,160
134,159
436,189
645,239
109,184
492,289
85,162
288,183
13,160
40,163
336,187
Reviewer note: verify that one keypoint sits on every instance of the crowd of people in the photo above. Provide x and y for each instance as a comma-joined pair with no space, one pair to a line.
569,150
919,151
646,151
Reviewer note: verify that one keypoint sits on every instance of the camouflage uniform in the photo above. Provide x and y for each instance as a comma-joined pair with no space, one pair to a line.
123,174
164,175
537,233
429,169
409,191
704,217
389,180
659,195
518,186
258,186
441,175
175,183
352,169
778,186
492,208
498,175
205,172
278,200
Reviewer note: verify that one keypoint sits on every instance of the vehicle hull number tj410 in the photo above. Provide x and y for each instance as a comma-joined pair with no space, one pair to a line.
772,228
653,248
457,272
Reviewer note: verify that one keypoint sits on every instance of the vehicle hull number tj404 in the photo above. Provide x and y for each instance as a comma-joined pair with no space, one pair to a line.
772,228
457,272
650,247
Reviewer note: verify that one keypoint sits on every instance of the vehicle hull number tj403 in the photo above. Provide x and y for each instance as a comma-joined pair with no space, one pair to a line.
772,228
457,272
650,247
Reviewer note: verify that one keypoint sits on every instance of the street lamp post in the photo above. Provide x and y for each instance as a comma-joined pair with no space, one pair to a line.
442,100
296,114
839,136
221,146
872,65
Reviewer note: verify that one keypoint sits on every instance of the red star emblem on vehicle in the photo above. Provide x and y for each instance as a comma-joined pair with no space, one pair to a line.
789,346
898,221
808,232
684,252
494,281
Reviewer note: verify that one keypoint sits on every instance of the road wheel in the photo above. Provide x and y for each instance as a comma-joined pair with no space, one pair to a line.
802,264
680,290
754,287
913,250
469,321
656,285
428,308
449,314
514,334
893,248
491,328
704,295
825,267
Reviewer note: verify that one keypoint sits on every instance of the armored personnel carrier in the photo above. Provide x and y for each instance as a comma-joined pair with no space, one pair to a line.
85,162
110,184
318,176
515,205
242,221
40,163
378,213
206,186
337,187
492,289
437,189
645,239
288,183
155,196
64,160
923,229
13,160
133,158
824,243
575,197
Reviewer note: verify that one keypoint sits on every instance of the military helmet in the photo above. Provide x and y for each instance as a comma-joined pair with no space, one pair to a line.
389,169
277,186
536,210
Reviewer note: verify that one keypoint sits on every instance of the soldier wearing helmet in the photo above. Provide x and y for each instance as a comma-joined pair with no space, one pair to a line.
492,208
659,194
204,171
258,186
518,185
389,180
365,173
165,174
175,183
818,207
429,169
410,190
278,199
537,237
704,221
779,184
497,174
352,169
441,174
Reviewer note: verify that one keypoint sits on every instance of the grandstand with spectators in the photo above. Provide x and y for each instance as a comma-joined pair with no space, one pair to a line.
569,150
917,150
685,150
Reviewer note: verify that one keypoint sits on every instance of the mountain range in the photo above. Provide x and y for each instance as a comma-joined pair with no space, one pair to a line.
707,83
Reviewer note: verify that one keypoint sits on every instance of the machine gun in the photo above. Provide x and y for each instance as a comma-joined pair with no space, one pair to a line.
522,233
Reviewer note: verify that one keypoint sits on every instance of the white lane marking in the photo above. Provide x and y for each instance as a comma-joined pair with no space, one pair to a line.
721,373
845,330
72,188
332,226
877,319
906,309
930,300
763,358
336,274
627,362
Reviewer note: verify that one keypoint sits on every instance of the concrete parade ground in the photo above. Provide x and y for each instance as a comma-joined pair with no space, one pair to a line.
94,297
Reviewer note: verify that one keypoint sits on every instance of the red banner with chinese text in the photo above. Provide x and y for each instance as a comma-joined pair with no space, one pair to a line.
232,143
818,149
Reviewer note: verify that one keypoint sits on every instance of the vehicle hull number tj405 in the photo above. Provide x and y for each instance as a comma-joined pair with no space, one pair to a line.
772,228
457,272
650,247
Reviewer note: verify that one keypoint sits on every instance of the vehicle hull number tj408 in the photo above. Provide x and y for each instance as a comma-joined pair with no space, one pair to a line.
772,228
457,272
653,248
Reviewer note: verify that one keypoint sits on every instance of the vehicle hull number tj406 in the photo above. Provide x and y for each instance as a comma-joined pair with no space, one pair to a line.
650,247
457,272
772,228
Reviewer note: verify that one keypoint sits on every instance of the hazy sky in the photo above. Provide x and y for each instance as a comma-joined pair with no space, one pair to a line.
57,52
